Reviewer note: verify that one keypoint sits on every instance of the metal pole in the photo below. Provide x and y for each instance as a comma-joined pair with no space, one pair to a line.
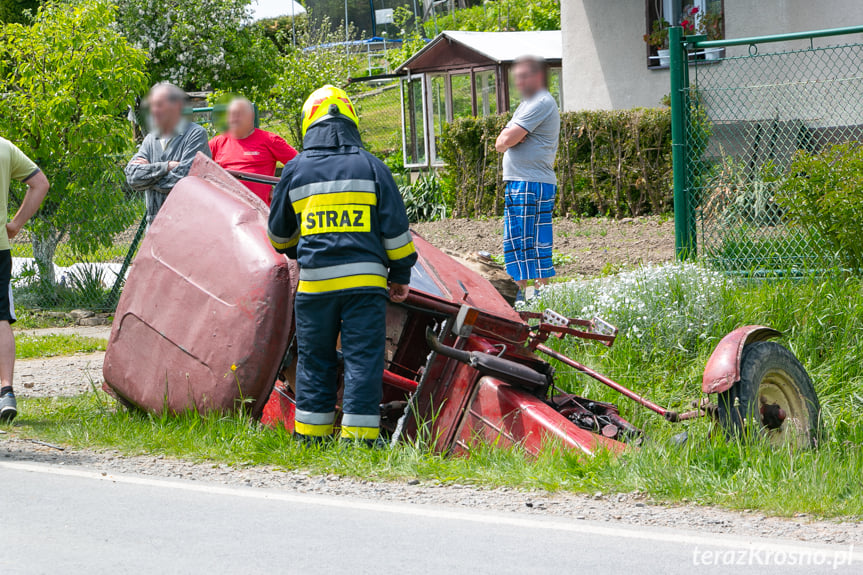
683,241
347,37
416,16
293,28
780,37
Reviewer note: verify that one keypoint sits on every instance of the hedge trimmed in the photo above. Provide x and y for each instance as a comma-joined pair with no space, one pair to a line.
615,163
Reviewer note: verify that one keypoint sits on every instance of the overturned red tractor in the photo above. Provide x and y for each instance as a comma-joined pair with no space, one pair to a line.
205,323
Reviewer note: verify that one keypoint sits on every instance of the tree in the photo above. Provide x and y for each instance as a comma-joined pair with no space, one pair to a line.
14,11
200,44
314,62
67,82
500,15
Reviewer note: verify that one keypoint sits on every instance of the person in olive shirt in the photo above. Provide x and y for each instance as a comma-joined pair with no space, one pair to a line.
14,165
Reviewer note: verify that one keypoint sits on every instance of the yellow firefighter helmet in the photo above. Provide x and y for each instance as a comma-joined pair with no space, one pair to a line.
328,102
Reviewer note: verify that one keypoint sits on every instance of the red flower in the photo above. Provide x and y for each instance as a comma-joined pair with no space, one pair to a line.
694,11
685,24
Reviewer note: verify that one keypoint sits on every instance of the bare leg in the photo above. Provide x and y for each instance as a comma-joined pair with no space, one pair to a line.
541,281
7,354
522,284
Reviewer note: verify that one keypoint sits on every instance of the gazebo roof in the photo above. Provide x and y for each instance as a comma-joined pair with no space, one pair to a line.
455,48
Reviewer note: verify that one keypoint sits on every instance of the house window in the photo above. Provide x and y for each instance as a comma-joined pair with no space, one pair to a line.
486,93
413,110
696,16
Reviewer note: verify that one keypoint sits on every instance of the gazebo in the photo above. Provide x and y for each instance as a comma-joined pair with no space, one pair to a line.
462,74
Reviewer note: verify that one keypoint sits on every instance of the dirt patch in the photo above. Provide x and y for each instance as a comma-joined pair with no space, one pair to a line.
595,244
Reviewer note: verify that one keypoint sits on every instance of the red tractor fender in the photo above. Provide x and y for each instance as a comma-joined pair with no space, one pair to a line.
723,367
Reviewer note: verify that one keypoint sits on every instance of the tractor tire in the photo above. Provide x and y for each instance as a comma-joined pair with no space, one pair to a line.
774,399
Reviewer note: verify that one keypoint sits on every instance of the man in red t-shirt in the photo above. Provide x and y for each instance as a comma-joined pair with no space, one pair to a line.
248,149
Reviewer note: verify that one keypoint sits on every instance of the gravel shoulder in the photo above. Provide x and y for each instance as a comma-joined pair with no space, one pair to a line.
617,509
595,244
62,376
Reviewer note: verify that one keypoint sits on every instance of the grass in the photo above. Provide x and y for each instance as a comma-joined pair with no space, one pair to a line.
670,318
30,346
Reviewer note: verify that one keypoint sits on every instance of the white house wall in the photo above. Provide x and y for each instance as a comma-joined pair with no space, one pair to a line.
604,56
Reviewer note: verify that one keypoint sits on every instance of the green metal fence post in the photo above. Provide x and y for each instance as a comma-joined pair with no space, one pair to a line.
683,241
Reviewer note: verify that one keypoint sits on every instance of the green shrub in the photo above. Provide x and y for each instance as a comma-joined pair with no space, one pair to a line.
424,199
615,163
500,15
824,193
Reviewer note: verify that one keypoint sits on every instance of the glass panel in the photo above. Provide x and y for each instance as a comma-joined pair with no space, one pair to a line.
438,109
486,93
415,143
462,96
554,85
514,97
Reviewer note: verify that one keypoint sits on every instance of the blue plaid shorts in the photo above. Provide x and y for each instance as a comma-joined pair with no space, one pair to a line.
527,233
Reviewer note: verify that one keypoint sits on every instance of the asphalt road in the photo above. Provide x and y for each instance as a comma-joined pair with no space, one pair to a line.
71,520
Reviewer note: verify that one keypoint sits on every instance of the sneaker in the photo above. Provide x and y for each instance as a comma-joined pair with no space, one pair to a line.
8,407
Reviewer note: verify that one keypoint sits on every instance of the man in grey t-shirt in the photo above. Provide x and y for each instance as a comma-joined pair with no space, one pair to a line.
529,146
166,154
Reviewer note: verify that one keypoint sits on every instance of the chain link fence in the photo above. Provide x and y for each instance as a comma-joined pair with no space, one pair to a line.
744,110
72,253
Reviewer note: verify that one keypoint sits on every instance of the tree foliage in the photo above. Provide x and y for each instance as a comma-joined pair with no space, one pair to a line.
15,11
314,62
200,44
411,35
500,15
66,83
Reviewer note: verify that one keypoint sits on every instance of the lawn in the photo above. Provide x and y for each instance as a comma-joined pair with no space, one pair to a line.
35,346
671,317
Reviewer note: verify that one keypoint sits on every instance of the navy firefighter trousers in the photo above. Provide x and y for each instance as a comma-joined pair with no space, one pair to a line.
360,317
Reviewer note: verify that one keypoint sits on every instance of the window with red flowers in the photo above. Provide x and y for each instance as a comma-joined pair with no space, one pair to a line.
705,17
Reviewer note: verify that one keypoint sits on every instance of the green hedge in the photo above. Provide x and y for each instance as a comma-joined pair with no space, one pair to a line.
615,163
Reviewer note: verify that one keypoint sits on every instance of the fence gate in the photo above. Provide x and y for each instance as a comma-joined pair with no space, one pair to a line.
741,110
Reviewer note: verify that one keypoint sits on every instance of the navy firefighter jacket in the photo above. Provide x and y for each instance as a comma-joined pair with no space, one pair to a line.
338,212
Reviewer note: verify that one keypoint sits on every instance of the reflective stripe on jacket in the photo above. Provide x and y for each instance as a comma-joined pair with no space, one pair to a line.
338,212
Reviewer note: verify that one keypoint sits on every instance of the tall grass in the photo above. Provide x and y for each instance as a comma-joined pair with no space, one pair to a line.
670,317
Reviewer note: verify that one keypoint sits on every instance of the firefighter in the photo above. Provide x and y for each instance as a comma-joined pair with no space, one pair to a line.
338,212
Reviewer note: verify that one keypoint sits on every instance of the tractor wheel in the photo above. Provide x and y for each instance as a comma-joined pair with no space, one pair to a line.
774,398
